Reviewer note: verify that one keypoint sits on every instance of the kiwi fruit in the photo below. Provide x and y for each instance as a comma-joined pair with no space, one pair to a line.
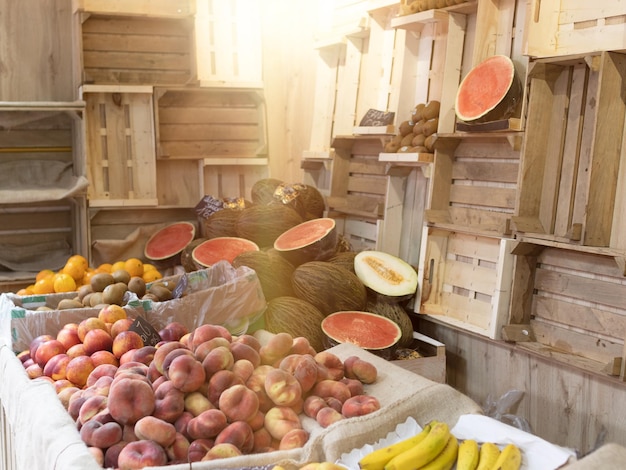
137,285
162,292
418,140
392,147
405,127
430,127
114,293
407,140
83,291
95,299
100,281
429,143
121,275
431,111
419,127
418,112
65,304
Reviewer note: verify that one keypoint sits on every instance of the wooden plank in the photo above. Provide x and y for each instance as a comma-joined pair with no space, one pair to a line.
451,73
140,26
345,117
485,171
483,196
601,266
481,221
470,276
369,185
494,30
366,166
171,192
165,8
576,11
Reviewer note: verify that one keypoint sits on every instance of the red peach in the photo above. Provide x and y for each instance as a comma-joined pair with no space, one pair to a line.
96,434
239,434
250,340
186,373
327,416
88,324
144,355
312,405
47,350
34,344
241,350
277,347
355,386
257,421
360,369
162,351
239,403
125,341
66,394
198,449
98,454
280,420
104,357
112,453
78,370
332,362
262,440
34,371
360,405
161,432
169,402
68,336
303,368
140,454
204,348
219,382
221,451
218,358
130,400
120,325
178,451
97,340
76,350
112,313
294,439
282,387
302,346
173,331
207,424
91,407
181,423
56,367
206,332
331,388
243,368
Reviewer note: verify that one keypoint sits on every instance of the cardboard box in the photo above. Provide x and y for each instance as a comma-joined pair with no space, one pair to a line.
432,361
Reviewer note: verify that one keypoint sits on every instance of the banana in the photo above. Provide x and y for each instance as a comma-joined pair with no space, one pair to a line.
446,458
377,459
422,453
489,453
468,455
510,458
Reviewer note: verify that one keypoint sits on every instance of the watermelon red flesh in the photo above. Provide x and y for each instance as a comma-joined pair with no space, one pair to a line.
222,248
366,330
485,87
313,240
169,241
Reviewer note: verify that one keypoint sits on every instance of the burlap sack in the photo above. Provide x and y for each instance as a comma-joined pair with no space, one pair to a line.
609,456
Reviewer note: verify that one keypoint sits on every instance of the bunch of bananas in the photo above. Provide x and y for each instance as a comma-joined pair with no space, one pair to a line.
436,448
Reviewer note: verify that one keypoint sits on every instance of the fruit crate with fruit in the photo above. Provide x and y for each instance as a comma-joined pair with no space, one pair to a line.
572,27
425,356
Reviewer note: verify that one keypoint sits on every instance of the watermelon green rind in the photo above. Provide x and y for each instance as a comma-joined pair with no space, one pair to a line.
313,240
217,249
489,92
369,331
169,241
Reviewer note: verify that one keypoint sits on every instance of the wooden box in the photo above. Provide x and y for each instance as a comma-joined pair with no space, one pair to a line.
118,44
571,176
121,155
575,307
465,280
432,361
569,27
474,182
204,123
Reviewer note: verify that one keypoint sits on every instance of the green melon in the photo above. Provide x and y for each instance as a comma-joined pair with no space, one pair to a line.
329,287
274,272
313,200
345,259
263,224
186,260
296,317
262,191
397,314
222,223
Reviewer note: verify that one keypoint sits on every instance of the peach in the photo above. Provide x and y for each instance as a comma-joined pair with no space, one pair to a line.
158,381
177,451
162,351
243,368
68,336
169,402
186,373
35,342
91,407
294,439
276,348
333,403
282,388
239,403
127,356
125,341
153,373
204,348
355,386
250,340
104,357
241,350
112,313
207,424
182,421
303,368
98,454
301,345
77,350
360,369
360,405
34,371
102,370
96,434
75,402
196,402
78,370
120,325
262,440
173,355
331,388
144,355
256,383
327,416
257,421
102,386
88,324
185,340
206,332
56,367
130,400
66,394
97,340
173,331
312,404
47,350
279,420
333,364
218,358
222,451
219,382
112,453
140,454
161,432
239,434
198,449
128,433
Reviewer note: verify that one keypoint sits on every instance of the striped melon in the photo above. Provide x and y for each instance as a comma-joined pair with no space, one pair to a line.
394,312
264,223
296,317
274,272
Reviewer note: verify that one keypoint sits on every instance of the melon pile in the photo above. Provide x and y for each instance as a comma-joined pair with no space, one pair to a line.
417,134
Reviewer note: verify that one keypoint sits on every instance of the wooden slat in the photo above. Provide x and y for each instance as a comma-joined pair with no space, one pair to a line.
131,60
471,277
136,43
190,115
201,132
574,11
369,185
483,196
481,248
165,8
140,26
485,171
200,149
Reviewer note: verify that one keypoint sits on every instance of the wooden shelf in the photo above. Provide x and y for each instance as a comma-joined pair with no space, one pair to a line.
416,21
235,161
407,159
158,9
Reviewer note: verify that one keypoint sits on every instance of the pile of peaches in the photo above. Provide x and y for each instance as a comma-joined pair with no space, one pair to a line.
197,395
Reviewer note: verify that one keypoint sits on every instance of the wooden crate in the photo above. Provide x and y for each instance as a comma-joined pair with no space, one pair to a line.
116,46
432,363
474,183
228,35
575,308
465,280
121,155
571,184
154,8
225,178
202,123
569,27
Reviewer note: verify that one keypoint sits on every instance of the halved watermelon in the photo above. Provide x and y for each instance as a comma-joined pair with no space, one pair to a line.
374,333
166,244
489,92
217,249
313,240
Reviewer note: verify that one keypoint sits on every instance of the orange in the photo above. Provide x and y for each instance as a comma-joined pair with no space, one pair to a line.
151,275
148,267
88,275
118,265
44,286
44,273
64,283
74,269
104,268
134,267
80,260
25,291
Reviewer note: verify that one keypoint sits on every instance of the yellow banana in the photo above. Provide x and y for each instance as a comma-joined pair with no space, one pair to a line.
489,453
446,458
422,453
377,459
468,455
510,458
